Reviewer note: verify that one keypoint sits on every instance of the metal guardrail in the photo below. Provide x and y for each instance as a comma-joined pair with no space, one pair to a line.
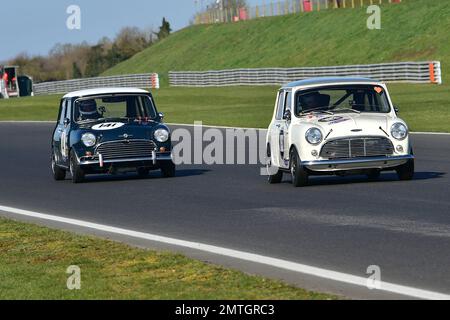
410,72
147,80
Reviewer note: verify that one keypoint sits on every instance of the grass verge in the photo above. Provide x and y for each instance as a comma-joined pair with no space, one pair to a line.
424,107
34,260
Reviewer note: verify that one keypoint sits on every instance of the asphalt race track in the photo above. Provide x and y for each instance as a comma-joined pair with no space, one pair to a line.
341,224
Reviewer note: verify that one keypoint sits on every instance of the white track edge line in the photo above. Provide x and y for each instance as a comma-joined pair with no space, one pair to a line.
274,262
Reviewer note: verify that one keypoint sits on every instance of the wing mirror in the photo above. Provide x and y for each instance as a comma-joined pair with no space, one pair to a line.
287,115
396,109
66,122
161,116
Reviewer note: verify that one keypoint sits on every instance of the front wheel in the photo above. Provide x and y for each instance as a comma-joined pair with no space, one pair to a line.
406,171
75,170
298,173
275,174
168,169
58,173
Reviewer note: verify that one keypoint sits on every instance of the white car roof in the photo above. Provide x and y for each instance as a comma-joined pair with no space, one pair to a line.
101,91
331,80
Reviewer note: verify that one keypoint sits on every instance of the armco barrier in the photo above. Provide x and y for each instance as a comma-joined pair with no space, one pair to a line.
148,80
411,72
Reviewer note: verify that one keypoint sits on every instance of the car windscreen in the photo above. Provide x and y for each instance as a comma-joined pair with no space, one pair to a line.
342,98
114,107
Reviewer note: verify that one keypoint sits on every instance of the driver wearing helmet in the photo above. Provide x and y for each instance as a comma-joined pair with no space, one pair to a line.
88,110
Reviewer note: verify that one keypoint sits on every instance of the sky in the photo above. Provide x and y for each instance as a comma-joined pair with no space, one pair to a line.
35,26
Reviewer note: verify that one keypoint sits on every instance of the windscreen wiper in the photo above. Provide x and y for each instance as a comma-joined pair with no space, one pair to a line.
90,120
317,110
348,109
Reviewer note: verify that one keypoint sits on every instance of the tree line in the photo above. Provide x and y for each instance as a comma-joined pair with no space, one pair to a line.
72,61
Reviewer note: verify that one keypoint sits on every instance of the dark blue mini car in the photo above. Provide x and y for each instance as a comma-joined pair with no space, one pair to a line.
110,130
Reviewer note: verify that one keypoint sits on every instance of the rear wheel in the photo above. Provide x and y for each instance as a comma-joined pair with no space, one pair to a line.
58,173
298,173
168,169
75,170
406,172
277,175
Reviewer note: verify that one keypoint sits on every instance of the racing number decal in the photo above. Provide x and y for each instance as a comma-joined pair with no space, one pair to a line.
108,126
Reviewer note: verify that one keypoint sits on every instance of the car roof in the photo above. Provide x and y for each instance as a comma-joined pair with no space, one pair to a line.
330,80
102,91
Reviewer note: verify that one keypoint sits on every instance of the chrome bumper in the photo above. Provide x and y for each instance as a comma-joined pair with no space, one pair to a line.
357,163
99,161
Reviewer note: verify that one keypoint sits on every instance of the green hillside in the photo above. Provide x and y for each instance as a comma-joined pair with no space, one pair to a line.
412,31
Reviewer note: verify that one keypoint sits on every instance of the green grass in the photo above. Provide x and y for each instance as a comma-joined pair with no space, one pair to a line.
34,260
415,30
424,107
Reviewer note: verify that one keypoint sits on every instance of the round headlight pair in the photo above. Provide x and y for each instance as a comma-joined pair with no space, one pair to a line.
314,136
399,131
89,139
162,135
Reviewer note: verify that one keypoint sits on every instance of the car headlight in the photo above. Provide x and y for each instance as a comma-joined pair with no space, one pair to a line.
161,135
89,139
399,131
314,136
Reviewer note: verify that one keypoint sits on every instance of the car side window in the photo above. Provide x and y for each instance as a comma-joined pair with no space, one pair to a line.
68,110
280,106
288,102
62,112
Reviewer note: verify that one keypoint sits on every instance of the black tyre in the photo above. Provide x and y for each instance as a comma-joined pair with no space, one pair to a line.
298,173
143,172
75,170
275,177
58,173
406,172
374,174
168,169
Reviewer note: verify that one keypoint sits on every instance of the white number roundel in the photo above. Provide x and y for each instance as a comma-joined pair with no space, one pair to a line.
107,126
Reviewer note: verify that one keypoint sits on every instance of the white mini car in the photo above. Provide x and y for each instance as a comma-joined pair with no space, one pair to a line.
337,126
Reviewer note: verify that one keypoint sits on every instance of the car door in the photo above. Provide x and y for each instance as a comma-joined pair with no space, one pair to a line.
275,129
60,135
285,129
